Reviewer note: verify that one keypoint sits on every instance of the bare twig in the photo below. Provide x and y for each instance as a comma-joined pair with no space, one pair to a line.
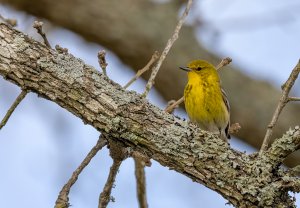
170,108
39,27
139,73
102,61
140,182
286,87
118,154
13,107
293,99
11,22
105,195
224,62
63,197
167,48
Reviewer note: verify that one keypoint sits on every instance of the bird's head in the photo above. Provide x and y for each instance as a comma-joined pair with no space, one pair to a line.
198,66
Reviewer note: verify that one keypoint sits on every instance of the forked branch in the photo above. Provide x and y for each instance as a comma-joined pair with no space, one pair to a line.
286,88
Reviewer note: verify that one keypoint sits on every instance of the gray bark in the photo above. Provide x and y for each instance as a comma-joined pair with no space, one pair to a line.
244,180
134,29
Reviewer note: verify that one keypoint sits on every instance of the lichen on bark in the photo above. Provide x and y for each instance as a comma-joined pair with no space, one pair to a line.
244,180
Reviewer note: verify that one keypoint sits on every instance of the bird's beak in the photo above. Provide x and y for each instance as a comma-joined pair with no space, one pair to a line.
185,68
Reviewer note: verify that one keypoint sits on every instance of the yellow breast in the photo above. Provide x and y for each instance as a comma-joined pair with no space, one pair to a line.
204,103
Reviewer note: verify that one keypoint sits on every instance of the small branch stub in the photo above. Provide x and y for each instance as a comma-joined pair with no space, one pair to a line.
39,27
224,62
61,50
172,104
234,128
102,61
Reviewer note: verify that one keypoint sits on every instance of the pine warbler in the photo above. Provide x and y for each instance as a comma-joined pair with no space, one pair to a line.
205,101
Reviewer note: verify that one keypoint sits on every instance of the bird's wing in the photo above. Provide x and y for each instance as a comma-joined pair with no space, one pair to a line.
224,96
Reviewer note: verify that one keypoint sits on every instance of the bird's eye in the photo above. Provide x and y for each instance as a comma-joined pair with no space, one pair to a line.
198,69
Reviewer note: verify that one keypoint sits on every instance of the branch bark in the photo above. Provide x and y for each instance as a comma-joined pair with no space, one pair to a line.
133,29
132,122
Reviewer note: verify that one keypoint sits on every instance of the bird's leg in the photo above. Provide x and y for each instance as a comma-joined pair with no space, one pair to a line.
223,135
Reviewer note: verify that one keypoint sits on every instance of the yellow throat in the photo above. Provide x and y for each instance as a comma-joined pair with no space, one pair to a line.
203,97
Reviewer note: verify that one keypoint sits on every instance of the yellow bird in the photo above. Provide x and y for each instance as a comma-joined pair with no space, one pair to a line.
205,101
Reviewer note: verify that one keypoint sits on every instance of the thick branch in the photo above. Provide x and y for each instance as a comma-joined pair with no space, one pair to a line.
132,122
281,148
139,27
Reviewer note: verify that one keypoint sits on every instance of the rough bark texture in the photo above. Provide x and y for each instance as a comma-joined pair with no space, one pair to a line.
246,181
134,29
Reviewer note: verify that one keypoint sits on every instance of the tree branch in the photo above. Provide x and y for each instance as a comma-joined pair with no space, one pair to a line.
130,121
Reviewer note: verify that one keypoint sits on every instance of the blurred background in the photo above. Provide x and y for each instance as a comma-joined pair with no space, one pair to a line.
42,144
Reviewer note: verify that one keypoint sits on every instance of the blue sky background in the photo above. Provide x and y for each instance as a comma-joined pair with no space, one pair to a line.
42,143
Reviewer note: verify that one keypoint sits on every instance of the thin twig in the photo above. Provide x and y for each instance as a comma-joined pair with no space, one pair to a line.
223,63
286,87
105,195
39,27
102,61
174,105
118,154
11,22
293,99
167,48
140,182
63,197
13,107
139,73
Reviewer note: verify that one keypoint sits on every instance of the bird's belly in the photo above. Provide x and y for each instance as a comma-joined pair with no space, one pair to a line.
209,112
